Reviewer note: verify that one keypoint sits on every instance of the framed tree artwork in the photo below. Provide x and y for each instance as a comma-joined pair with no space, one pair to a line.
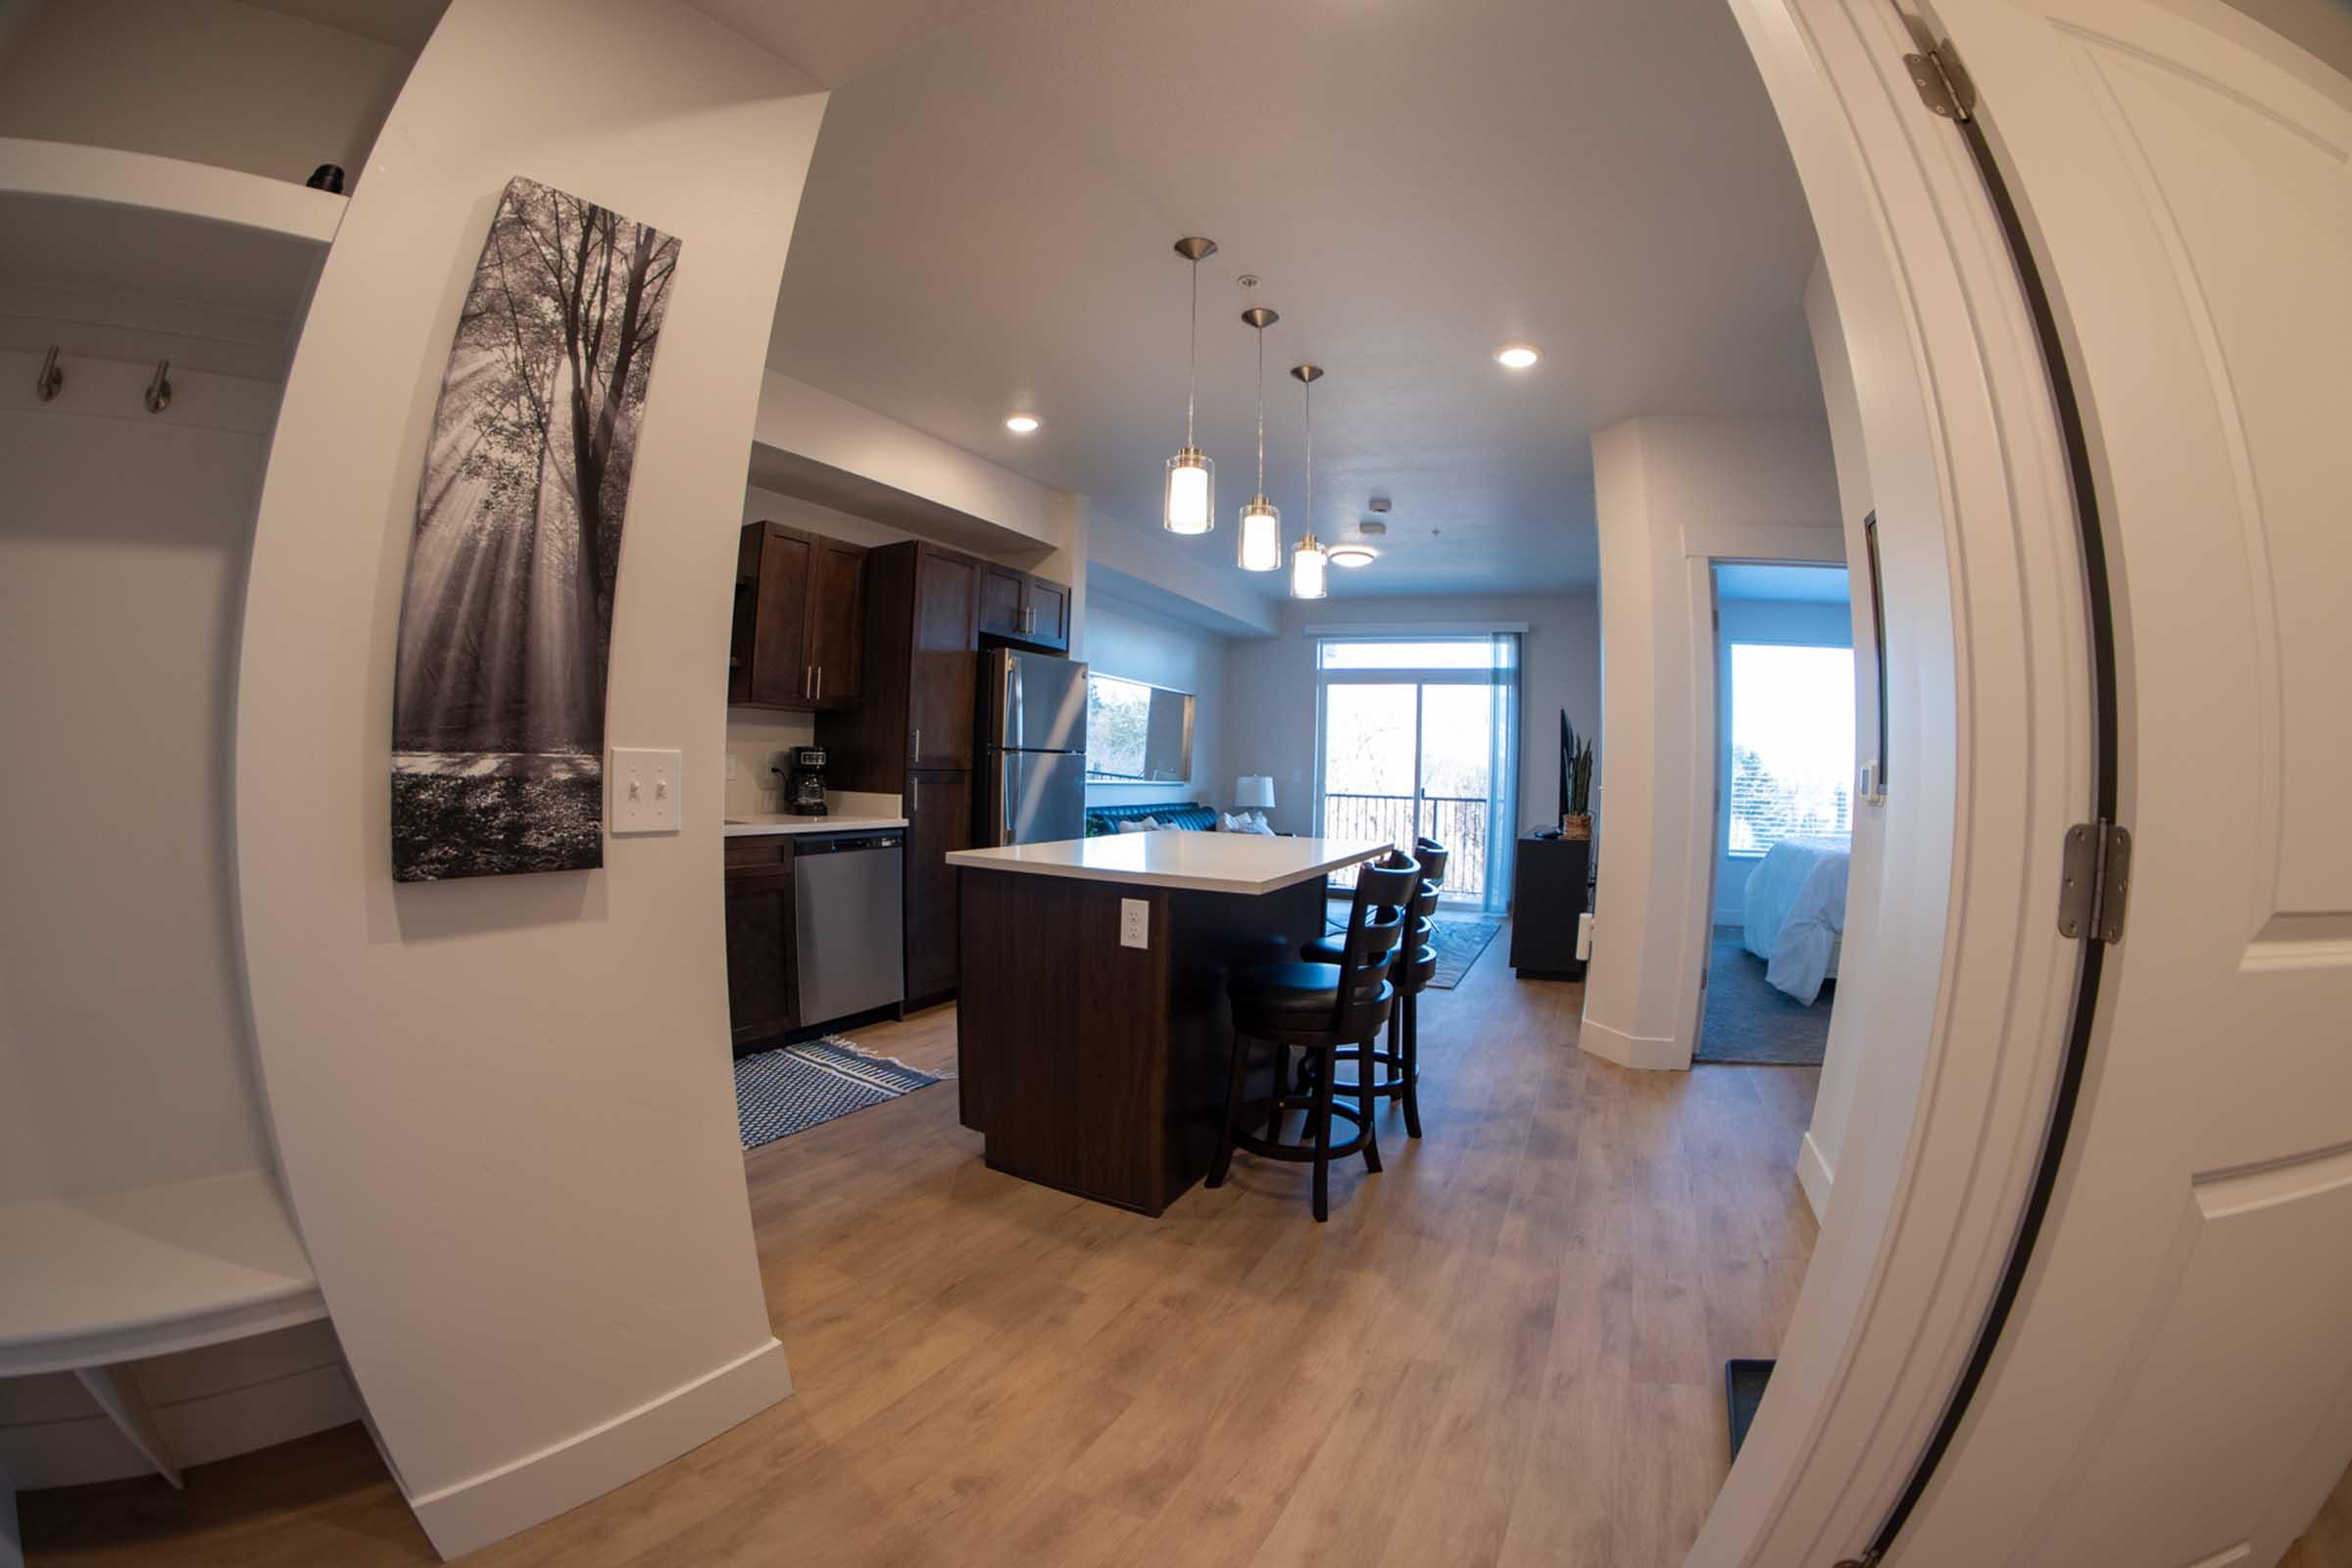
498,709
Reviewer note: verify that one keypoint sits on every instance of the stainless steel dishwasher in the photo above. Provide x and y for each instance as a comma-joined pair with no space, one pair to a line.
846,894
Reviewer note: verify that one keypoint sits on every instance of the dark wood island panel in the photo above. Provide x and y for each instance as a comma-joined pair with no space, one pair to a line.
1098,1068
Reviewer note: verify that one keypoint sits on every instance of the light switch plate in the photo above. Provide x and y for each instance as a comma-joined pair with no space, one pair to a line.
646,789
1134,923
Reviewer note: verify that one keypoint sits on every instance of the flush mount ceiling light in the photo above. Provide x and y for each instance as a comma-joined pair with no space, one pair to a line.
1189,502
1308,560
1261,519
1352,554
1516,356
1020,423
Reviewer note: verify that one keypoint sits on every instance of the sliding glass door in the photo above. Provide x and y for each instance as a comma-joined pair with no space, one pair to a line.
1417,737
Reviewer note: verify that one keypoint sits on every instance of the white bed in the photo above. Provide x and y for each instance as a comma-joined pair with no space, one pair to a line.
1796,913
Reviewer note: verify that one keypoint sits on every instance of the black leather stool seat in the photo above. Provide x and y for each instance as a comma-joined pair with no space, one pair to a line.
1326,949
1309,990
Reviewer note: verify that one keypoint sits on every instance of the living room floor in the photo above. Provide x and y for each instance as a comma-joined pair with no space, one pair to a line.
1507,1349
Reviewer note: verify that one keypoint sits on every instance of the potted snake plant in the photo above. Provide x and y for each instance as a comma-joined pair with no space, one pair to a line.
1576,782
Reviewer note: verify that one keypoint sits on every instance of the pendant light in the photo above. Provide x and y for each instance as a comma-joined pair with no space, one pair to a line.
1261,519
1189,502
1308,560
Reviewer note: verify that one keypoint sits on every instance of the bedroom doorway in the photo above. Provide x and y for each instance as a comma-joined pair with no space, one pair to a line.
1784,785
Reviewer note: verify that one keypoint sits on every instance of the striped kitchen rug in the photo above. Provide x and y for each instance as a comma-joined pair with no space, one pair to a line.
794,1088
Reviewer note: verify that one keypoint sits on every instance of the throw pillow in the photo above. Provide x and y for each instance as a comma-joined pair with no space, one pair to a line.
1141,824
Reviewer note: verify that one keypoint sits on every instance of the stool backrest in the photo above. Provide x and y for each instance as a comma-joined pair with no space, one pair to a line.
1375,928
1433,857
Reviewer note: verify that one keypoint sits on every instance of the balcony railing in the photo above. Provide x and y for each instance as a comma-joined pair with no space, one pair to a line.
1457,822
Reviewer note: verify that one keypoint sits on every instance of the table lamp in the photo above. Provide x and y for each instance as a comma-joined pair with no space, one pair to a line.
1253,792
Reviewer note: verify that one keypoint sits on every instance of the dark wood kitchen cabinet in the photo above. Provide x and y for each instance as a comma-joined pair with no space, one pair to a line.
763,939
798,638
912,733
1023,608
939,820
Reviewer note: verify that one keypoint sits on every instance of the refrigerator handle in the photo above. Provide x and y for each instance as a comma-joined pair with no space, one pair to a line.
1004,789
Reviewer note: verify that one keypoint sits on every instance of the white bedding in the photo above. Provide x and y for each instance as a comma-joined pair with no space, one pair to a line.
1797,913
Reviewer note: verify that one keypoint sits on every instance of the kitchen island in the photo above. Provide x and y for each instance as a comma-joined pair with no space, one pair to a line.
1093,1033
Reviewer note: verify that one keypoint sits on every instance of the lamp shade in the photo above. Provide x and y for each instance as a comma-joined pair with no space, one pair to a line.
1190,502
1261,536
1253,792
1307,561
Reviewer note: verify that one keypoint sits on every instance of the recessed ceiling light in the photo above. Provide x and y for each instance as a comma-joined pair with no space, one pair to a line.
1349,554
1020,423
1516,357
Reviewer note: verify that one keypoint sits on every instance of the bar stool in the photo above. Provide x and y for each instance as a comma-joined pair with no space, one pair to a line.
1320,1008
1415,965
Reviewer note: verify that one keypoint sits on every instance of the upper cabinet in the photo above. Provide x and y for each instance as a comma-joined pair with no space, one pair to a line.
1023,608
798,620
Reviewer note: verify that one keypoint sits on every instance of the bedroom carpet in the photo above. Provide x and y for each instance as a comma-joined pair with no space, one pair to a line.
1749,1021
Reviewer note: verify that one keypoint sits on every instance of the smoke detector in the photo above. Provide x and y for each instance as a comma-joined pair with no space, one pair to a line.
1380,504
1372,527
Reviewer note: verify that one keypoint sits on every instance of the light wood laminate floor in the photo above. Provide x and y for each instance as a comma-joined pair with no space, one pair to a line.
1509,1349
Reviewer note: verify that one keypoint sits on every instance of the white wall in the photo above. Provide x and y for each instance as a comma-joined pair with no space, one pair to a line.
1139,643
1756,620
504,1105
1272,686
208,80
1673,491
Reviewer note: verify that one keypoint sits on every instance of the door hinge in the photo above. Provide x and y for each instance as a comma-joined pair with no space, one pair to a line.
1943,85
2094,882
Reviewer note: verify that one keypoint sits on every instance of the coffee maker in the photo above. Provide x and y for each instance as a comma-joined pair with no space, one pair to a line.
805,787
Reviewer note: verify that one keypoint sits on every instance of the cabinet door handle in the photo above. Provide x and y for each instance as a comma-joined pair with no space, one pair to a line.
918,742
820,683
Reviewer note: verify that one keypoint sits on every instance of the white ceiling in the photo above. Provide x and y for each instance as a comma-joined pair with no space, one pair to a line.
988,223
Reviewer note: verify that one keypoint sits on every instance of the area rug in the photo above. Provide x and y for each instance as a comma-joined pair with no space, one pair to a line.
794,1088
1459,939
1749,1021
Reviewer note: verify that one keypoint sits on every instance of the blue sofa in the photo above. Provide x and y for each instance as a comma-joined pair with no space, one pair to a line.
1190,814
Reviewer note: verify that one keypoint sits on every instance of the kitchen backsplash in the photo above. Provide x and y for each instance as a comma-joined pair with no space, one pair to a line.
757,741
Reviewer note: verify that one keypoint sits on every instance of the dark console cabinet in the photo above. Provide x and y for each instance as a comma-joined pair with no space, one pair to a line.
1548,893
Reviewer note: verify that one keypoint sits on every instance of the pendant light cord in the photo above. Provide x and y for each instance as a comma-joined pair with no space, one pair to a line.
1310,459
1192,367
1261,411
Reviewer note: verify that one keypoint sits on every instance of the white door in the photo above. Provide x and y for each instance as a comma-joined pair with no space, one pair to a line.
2175,1387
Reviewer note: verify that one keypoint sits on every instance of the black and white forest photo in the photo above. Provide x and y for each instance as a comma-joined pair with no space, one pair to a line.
498,709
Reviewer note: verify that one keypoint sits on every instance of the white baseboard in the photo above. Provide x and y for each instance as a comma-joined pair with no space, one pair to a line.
1647,1052
496,1504
1813,1175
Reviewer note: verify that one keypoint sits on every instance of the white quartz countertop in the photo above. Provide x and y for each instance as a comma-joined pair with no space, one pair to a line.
779,822
1172,857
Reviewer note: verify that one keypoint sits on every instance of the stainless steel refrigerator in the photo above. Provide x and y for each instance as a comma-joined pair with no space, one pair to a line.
1032,748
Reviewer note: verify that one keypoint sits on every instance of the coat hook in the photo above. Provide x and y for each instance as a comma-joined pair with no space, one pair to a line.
159,390
51,377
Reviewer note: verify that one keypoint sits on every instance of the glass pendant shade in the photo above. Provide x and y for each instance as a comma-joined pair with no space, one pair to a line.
1261,536
1191,502
1307,561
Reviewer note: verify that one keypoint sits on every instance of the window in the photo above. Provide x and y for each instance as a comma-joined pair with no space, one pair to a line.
1136,732
1419,735
1792,744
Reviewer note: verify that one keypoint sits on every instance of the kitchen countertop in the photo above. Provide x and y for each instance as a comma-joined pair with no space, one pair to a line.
1172,857
771,822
